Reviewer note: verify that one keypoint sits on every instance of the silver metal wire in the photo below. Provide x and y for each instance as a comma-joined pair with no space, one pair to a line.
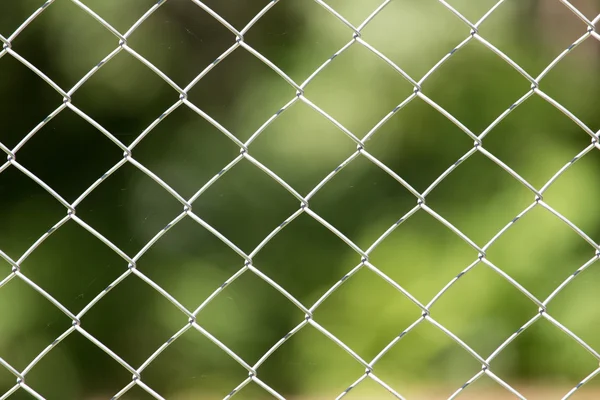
247,265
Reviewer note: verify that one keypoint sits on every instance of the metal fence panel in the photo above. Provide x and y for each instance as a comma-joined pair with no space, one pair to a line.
304,200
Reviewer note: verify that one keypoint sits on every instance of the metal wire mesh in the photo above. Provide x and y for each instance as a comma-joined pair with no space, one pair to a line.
247,266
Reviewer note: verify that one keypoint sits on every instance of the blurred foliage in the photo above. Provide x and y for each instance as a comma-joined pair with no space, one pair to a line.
301,146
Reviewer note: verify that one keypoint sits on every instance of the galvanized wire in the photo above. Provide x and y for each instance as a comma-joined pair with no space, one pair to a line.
246,262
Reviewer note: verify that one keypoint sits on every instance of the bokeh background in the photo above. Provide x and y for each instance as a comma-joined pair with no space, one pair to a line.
362,201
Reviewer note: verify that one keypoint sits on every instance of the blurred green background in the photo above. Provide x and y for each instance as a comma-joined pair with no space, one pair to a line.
302,147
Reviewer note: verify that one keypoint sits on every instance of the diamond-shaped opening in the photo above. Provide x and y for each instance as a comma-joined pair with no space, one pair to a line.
483,309
366,312
306,259
310,365
422,255
66,253
358,89
539,251
185,150
574,81
462,86
29,323
12,15
189,262
241,100
549,27
22,110
573,197
571,305
250,316
370,196
193,367
415,35
310,31
481,213
245,205
125,96
419,144
425,363
120,15
296,136
129,208
65,43
77,369
69,154
472,11
516,140
27,211
546,355
236,13
181,39
133,320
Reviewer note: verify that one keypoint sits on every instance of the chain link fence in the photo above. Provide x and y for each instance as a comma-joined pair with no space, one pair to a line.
247,264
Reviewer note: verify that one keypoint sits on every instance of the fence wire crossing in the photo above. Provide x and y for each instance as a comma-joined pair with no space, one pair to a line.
239,44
